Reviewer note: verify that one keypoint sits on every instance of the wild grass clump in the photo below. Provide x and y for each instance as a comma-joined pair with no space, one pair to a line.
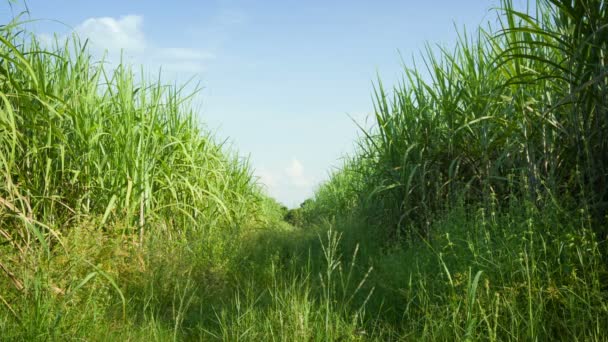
305,296
516,111
479,197
114,202
80,138
520,273
517,274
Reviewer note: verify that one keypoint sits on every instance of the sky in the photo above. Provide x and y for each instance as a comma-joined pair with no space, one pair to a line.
282,81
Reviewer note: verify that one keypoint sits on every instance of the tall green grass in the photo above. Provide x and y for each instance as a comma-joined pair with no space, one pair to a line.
510,111
113,198
81,138
479,195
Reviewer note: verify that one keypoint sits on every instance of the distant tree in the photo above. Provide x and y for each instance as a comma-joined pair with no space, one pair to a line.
295,217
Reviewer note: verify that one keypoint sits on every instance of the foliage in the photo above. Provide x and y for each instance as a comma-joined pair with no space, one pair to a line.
475,209
513,112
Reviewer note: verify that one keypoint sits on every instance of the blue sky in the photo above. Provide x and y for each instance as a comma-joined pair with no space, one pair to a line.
280,79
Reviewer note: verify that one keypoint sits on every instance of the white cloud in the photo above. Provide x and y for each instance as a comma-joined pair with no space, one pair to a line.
295,172
108,33
125,37
289,182
268,179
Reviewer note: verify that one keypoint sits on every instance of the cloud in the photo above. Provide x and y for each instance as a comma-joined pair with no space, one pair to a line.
267,179
295,173
125,37
109,33
289,182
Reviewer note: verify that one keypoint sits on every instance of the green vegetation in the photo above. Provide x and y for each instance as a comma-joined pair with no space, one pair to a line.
480,194
475,209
